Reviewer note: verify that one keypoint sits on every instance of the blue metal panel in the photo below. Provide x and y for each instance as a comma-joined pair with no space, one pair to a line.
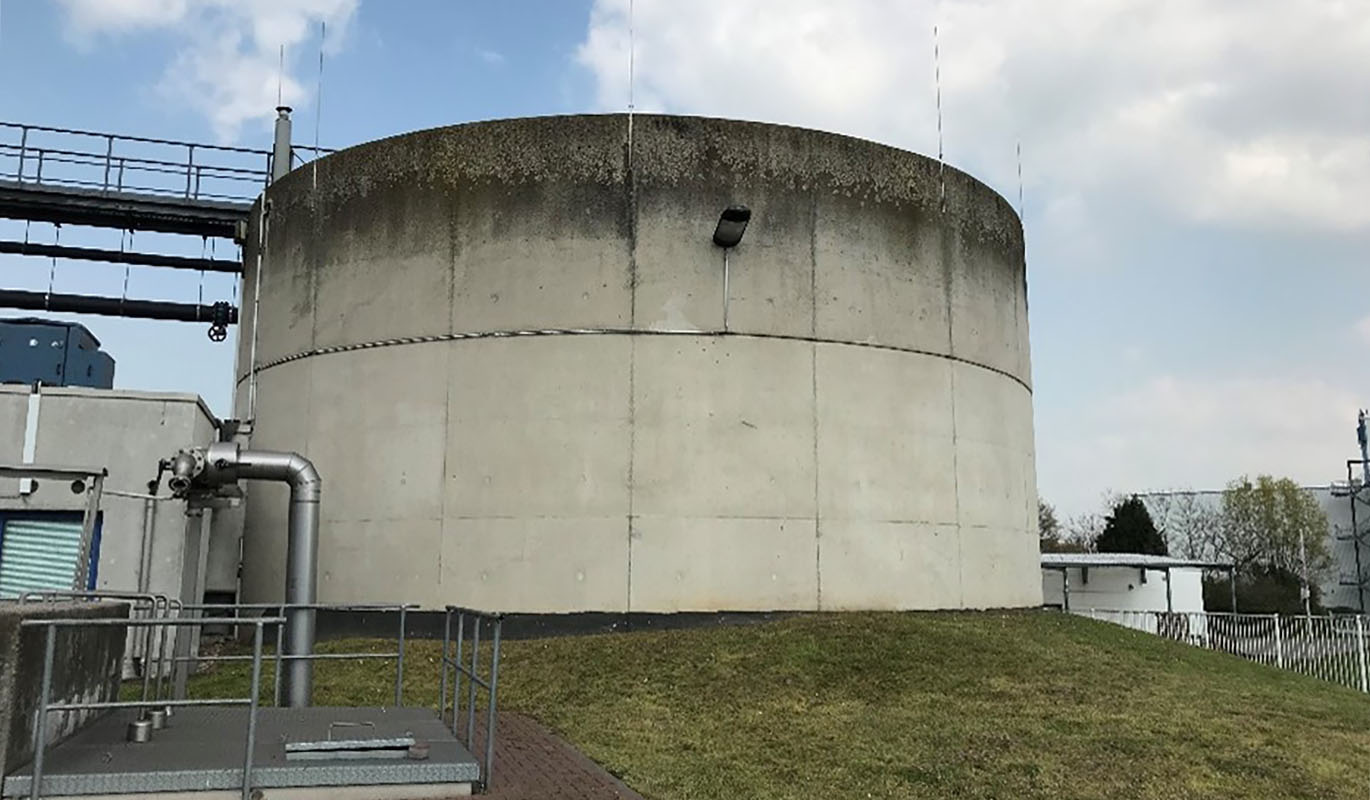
54,353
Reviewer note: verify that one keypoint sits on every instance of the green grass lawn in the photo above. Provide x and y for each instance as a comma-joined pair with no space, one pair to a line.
933,705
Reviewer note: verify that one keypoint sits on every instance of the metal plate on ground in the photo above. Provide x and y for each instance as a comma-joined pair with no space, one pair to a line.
202,749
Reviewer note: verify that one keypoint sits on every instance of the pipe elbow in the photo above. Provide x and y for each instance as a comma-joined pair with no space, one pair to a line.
304,479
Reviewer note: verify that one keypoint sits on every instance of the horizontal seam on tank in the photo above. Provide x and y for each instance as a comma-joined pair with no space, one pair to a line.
510,334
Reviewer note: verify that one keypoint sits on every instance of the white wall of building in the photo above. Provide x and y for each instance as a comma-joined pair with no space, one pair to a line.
1123,588
126,433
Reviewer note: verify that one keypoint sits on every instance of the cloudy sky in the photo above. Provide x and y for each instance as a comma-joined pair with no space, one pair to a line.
1196,173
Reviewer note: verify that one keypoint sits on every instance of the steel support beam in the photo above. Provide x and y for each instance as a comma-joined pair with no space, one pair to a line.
111,306
121,210
120,257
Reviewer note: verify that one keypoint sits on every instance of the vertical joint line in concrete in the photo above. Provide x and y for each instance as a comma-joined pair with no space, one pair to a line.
817,512
632,446
813,325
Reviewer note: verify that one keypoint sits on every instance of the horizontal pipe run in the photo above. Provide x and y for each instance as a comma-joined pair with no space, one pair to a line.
310,657
120,257
111,306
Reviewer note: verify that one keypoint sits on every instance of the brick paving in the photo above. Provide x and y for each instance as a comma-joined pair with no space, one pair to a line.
532,763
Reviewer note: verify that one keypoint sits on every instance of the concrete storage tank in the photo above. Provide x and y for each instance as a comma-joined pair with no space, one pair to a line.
503,346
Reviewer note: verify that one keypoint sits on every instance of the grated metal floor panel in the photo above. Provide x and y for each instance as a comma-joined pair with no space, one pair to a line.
201,749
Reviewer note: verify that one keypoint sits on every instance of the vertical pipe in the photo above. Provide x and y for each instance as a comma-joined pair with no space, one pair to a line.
280,150
1065,589
1169,598
252,709
399,662
1232,579
490,712
190,164
725,289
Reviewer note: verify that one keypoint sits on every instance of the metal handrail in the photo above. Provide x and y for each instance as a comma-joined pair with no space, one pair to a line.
279,657
115,164
453,660
45,706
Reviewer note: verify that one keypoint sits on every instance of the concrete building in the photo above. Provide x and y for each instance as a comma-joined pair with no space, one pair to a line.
126,433
531,382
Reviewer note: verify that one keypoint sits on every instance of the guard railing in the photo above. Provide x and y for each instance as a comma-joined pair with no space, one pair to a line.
47,706
469,624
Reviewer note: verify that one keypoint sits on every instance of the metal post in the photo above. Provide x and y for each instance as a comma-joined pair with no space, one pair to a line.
40,725
442,662
1279,643
490,712
471,698
23,146
252,709
456,673
1352,491
280,639
1232,579
1360,652
38,177
725,289
1065,589
190,162
399,663
109,152
280,150
1169,599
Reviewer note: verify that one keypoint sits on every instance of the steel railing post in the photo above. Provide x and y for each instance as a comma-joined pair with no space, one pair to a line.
456,665
1279,643
109,154
1360,651
190,163
38,176
280,638
40,725
442,662
252,709
471,697
490,712
23,149
399,661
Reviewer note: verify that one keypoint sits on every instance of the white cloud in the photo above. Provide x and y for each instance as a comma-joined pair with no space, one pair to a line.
1203,432
491,57
227,52
1213,111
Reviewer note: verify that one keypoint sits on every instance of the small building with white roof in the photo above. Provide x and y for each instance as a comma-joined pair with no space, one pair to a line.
1124,582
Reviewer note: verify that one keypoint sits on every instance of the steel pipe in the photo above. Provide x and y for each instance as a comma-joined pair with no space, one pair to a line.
111,306
226,463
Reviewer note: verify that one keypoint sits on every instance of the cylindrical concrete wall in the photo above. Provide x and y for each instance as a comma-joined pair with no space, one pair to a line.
502,345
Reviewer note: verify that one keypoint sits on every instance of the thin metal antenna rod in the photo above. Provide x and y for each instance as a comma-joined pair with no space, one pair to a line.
1019,152
280,76
632,68
318,107
941,160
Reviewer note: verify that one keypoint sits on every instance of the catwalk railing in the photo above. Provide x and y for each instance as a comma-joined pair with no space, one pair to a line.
1331,648
41,156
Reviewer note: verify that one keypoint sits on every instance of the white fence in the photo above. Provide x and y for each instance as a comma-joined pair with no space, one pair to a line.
1332,648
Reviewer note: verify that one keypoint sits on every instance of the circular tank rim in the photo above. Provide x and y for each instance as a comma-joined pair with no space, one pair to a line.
980,185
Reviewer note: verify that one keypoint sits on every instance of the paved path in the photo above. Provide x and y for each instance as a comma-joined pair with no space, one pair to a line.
532,763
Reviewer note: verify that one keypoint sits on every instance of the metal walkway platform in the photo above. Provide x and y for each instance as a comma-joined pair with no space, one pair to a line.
200,754
121,210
